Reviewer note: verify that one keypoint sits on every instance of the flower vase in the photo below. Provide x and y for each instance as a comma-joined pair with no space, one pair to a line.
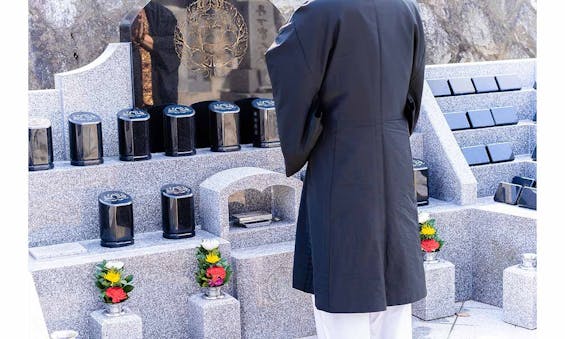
430,257
114,309
213,292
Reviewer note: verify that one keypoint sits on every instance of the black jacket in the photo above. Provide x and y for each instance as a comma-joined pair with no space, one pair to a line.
361,62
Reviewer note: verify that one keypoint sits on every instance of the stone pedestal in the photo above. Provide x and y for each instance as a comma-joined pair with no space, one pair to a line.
127,326
218,318
519,297
440,285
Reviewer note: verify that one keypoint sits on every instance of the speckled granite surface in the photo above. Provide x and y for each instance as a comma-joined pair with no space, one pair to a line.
440,286
520,297
211,319
128,326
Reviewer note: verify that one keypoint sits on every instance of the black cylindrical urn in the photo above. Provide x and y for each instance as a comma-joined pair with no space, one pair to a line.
85,139
115,211
421,182
177,208
40,145
133,135
265,130
224,126
179,130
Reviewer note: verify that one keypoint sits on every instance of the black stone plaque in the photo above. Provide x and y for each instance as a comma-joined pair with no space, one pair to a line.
115,212
485,84
85,139
508,82
439,87
179,130
500,152
524,181
504,115
421,176
457,120
535,154
177,209
476,155
460,86
480,118
224,126
133,135
528,198
40,145
265,128
507,193
191,51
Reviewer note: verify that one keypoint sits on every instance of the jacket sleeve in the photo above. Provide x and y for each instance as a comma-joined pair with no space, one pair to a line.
296,63
414,98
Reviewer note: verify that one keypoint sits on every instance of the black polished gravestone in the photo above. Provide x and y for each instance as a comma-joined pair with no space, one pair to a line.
508,82
187,51
535,154
457,120
439,87
480,118
179,130
133,135
485,84
40,145
460,86
224,126
504,115
85,139
115,213
508,193
421,181
500,152
524,181
177,212
476,155
265,127
528,198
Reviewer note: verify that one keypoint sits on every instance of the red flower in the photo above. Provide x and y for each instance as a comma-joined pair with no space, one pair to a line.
117,294
216,274
430,245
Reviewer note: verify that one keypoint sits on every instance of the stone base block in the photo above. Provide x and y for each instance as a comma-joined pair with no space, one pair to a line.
270,307
210,319
440,284
519,296
127,326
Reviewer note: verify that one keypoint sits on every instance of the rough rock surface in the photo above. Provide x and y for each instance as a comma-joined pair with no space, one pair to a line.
67,34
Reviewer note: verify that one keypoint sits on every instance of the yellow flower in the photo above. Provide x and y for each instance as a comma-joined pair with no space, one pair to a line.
112,276
428,231
212,258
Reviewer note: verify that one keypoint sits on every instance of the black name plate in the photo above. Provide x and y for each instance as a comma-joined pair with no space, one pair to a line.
508,82
439,87
460,86
507,193
485,84
528,198
476,155
504,115
500,152
480,118
457,120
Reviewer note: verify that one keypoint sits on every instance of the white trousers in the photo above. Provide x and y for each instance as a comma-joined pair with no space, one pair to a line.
393,323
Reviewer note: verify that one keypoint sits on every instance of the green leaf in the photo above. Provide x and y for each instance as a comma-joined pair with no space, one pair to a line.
129,278
128,288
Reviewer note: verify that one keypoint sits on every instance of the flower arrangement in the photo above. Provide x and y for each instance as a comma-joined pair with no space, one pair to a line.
112,282
213,270
429,240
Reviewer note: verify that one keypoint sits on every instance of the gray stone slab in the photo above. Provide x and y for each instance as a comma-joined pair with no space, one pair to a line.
524,101
490,175
63,203
524,68
103,87
58,250
47,104
163,281
211,319
280,231
519,135
127,326
499,240
449,175
270,307
520,297
460,86
216,190
440,285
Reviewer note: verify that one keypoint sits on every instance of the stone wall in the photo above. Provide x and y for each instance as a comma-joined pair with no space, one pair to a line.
67,34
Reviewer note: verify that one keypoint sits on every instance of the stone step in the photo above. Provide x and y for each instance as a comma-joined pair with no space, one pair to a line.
523,100
63,205
522,136
163,279
489,175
